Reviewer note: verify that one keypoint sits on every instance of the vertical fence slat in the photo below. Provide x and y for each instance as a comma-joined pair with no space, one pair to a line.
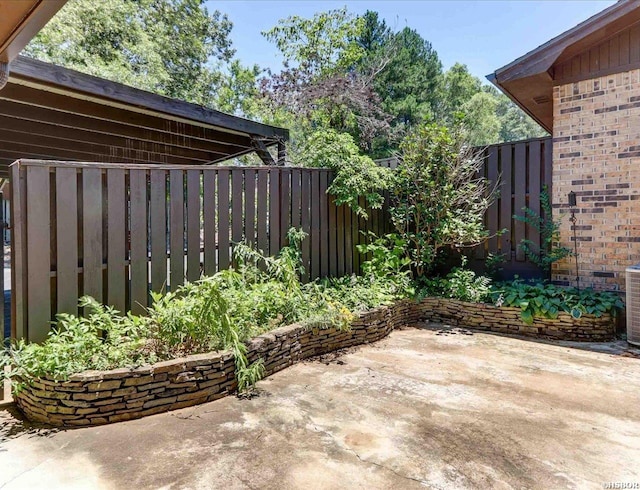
285,205
223,219
548,163
348,241
492,212
520,196
535,170
138,236
237,225
305,221
250,206
158,218
340,243
193,224
315,223
67,240
323,223
38,260
209,215
263,206
18,250
505,201
274,211
176,220
334,250
92,232
116,238
295,197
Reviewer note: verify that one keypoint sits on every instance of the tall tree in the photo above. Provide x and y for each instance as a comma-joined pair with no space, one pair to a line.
175,48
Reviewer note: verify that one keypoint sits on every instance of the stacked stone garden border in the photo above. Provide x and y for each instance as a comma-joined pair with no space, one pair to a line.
101,397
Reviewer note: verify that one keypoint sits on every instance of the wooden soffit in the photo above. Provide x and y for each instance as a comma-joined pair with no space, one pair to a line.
20,21
529,80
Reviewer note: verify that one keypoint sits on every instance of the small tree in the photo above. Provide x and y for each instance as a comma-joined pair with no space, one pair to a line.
548,252
438,199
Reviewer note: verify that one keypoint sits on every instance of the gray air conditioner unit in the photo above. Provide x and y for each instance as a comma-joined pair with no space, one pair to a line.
633,304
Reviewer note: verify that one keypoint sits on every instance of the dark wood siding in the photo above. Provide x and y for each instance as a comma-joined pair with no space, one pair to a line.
618,53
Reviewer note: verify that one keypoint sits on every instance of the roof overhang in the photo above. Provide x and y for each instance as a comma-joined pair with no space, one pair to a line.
528,80
20,21
49,112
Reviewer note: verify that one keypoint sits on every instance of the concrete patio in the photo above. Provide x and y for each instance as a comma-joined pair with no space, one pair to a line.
424,407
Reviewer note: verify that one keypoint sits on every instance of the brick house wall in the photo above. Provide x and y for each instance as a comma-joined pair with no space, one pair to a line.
596,153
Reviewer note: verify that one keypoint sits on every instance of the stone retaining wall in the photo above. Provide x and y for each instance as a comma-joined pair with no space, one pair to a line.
507,320
101,397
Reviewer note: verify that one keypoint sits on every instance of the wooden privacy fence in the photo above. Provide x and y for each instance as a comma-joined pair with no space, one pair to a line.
523,167
115,232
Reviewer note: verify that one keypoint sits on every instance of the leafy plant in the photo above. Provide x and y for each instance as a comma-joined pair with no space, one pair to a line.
356,175
548,252
437,199
547,300
461,283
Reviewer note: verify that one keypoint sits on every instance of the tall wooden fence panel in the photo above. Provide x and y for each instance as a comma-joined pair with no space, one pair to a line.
117,232
523,168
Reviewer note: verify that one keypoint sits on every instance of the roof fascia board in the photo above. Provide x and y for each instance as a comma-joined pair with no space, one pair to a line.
136,99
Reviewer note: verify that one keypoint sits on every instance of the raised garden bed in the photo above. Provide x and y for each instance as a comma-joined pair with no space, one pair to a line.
101,397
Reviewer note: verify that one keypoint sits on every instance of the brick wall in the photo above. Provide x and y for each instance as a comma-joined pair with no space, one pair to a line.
596,153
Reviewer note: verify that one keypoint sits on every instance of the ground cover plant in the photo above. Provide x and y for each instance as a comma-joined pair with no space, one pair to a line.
219,312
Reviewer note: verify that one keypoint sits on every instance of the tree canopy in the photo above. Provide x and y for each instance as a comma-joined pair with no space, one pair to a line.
342,73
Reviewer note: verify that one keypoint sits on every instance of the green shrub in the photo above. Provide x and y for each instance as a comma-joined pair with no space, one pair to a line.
547,300
460,283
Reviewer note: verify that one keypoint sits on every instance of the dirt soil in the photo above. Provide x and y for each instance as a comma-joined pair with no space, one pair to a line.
433,408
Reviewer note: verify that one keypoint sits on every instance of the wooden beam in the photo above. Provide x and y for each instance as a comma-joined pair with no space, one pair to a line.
262,151
72,121
70,105
47,73
18,131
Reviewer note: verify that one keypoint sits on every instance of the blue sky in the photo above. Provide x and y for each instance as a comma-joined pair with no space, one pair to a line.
484,35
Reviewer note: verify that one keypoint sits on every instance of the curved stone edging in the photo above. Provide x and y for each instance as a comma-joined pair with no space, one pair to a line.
101,397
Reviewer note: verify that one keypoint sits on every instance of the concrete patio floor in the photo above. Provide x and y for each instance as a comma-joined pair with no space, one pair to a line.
420,408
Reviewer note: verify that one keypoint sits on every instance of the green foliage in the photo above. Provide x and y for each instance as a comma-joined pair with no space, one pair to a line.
437,199
218,312
356,175
102,339
175,48
546,300
322,44
549,229
461,283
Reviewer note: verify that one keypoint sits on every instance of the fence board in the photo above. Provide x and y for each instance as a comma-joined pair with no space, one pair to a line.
67,240
492,212
535,187
176,223
305,221
237,225
333,237
38,260
323,228
92,233
250,206
158,218
209,217
263,203
285,205
295,197
506,200
223,219
138,237
340,243
520,196
314,232
193,225
18,251
116,238
274,211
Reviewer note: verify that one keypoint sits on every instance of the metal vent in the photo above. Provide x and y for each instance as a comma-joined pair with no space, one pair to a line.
633,305
541,99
